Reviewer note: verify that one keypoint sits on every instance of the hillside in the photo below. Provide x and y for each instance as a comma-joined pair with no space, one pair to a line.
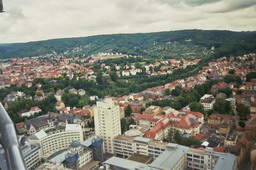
172,44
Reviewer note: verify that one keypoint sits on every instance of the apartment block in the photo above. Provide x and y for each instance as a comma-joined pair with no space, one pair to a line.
125,146
56,139
31,156
207,159
107,122
207,101
166,156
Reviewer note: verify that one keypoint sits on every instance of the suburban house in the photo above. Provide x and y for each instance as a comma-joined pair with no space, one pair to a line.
207,101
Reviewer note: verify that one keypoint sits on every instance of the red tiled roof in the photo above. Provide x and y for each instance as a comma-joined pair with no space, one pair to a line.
253,104
184,123
181,121
216,149
220,85
243,142
35,108
197,114
253,117
250,84
200,136
58,103
149,134
79,112
20,125
222,116
39,91
151,118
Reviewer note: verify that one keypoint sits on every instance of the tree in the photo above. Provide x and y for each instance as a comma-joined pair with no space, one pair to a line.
226,90
222,106
99,78
71,99
196,107
48,104
200,89
113,76
184,140
182,100
251,75
176,91
233,79
241,124
138,65
113,68
131,121
239,92
123,125
142,109
170,136
177,137
232,71
151,69
84,100
162,113
90,123
167,92
195,94
128,111
243,111
39,80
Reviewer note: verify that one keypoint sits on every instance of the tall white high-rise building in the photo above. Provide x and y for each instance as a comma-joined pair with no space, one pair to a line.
107,122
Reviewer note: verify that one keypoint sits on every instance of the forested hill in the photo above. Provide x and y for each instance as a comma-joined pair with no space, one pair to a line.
184,43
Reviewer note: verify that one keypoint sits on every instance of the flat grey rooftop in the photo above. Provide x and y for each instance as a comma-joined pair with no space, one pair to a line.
225,161
141,139
59,158
123,163
128,164
169,158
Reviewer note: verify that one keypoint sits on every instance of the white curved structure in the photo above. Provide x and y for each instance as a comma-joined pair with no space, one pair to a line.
56,139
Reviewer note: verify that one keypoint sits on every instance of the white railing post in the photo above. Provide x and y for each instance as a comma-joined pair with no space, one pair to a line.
10,143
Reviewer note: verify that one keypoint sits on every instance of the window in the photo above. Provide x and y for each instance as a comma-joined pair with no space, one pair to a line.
196,156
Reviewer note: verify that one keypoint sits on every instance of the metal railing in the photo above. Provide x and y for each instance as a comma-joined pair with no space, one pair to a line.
1,6
10,143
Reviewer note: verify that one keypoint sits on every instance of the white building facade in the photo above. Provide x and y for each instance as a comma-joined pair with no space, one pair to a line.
125,146
207,101
167,156
107,122
56,139
31,156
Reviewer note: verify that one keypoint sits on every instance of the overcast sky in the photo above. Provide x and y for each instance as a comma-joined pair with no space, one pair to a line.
30,20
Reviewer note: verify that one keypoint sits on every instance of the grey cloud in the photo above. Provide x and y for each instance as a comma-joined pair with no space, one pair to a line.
233,5
200,2
224,5
189,2
38,20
